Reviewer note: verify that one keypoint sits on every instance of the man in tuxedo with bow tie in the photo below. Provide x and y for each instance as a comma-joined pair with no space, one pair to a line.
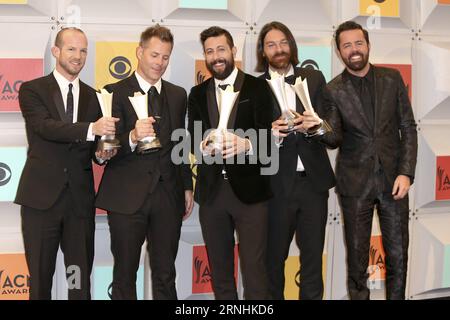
232,195
145,193
56,189
375,131
300,187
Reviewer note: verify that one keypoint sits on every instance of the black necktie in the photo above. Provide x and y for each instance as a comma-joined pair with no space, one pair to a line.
153,102
223,86
290,79
69,109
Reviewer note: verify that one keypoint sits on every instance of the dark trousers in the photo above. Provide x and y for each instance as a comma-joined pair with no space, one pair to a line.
158,221
43,232
219,219
393,216
303,212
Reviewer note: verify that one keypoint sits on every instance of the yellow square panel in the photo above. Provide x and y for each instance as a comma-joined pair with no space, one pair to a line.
386,8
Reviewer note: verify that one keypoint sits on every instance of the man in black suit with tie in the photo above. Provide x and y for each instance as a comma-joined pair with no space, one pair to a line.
300,202
56,189
232,195
145,193
375,129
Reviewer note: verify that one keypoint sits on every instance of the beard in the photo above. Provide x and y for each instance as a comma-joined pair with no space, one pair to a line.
73,70
221,75
357,65
280,60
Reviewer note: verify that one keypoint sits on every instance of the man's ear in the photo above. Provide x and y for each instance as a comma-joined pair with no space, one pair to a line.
234,51
55,52
139,51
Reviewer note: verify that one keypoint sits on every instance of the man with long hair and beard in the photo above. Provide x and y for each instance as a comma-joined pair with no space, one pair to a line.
374,126
300,187
232,196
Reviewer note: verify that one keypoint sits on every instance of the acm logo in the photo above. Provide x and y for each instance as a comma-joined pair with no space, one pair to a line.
443,179
202,271
14,284
9,90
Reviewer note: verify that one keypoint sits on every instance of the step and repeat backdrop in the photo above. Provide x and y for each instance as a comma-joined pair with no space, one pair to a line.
412,36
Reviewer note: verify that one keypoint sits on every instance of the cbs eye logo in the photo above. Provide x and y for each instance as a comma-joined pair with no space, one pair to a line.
310,64
5,174
120,67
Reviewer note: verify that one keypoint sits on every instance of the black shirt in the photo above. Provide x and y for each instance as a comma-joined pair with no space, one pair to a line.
365,88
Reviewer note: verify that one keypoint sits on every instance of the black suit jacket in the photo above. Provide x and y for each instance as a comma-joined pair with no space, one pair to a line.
392,139
129,177
311,151
58,153
252,110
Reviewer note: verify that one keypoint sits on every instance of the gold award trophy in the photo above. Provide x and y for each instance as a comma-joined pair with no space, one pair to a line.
106,142
277,84
227,98
301,89
140,104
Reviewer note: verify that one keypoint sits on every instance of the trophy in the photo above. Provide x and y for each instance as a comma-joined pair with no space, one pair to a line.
140,104
277,84
106,142
227,98
301,89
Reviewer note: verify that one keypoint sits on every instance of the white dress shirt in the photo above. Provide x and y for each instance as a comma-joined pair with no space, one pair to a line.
230,80
145,86
291,100
63,84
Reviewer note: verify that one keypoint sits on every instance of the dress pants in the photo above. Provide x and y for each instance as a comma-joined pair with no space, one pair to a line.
158,221
219,218
303,212
393,216
43,232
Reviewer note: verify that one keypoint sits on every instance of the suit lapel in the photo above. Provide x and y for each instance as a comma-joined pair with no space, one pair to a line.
378,98
57,99
167,101
355,102
212,108
276,110
238,83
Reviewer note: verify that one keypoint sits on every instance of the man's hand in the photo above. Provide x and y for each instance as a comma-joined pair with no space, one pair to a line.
105,155
234,145
208,148
401,187
104,126
279,125
188,203
310,120
143,128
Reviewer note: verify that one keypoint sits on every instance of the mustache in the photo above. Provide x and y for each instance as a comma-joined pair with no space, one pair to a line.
281,54
220,60
357,53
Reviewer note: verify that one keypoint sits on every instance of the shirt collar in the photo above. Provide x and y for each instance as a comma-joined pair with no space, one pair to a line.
289,73
369,76
63,83
229,80
145,86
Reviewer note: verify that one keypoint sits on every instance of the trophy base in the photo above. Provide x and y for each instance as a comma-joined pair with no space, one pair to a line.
108,145
291,127
319,130
146,147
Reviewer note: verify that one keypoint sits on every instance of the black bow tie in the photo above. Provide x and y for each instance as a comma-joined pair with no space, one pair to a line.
223,86
290,79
